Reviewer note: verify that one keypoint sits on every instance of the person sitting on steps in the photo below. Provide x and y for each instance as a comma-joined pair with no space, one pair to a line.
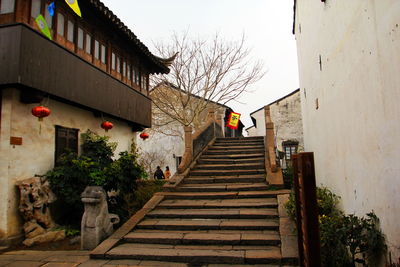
158,174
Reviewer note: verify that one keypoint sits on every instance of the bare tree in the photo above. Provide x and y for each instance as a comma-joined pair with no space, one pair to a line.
150,159
203,71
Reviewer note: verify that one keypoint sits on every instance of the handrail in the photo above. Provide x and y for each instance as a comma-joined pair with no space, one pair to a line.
197,141
274,173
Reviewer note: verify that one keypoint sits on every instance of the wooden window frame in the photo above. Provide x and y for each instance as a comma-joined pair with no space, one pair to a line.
63,26
59,151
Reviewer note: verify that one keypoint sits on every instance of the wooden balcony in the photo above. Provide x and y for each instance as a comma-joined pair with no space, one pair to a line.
30,61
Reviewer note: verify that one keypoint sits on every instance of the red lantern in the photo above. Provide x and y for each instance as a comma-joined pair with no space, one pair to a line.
106,125
144,136
40,112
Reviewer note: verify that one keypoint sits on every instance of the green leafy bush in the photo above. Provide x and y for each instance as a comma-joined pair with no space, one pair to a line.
345,239
94,167
327,203
288,177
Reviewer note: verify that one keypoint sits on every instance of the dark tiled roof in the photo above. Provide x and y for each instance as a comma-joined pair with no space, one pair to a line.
160,64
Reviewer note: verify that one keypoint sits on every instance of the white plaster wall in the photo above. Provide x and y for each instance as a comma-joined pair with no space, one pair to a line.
165,146
259,130
286,116
36,154
251,131
354,133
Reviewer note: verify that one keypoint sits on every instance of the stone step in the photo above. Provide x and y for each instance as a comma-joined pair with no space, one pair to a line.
234,143
221,187
234,152
194,238
233,156
230,147
217,161
211,231
209,224
234,166
223,203
240,139
196,254
222,213
220,195
258,178
198,172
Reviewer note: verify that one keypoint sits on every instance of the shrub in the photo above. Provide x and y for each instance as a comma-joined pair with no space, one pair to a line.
288,177
345,239
94,167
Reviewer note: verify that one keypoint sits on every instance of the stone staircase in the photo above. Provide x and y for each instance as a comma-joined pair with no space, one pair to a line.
222,214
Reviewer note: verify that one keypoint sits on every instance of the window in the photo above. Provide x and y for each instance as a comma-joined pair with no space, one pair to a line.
124,68
137,76
47,17
134,73
70,32
35,8
290,148
96,49
103,54
88,45
112,61
7,6
80,38
118,66
66,140
60,24
129,72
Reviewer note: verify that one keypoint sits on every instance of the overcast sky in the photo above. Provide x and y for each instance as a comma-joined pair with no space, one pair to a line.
267,25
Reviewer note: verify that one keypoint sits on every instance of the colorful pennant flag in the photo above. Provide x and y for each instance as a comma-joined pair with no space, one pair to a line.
73,4
51,8
41,22
233,120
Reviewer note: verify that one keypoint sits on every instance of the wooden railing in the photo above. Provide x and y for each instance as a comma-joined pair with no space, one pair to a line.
306,210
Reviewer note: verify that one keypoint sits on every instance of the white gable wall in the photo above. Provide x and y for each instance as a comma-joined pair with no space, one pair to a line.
354,133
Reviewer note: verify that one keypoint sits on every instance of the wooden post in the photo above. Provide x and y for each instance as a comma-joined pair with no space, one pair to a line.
306,210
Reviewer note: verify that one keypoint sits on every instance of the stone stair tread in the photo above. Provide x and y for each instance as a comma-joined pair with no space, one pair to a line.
225,185
234,152
225,203
204,238
233,231
229,161
222,195
223,224
233,156
249,176
234,165
214,213
232,149
221,187
224,172
193,254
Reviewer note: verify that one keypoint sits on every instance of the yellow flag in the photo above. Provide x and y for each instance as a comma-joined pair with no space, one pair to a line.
41,22
233,120
73,4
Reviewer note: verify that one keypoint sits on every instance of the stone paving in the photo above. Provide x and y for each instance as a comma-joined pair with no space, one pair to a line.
32,258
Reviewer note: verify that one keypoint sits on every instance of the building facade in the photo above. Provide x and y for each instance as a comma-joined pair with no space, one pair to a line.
288,127
94,69
349,61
